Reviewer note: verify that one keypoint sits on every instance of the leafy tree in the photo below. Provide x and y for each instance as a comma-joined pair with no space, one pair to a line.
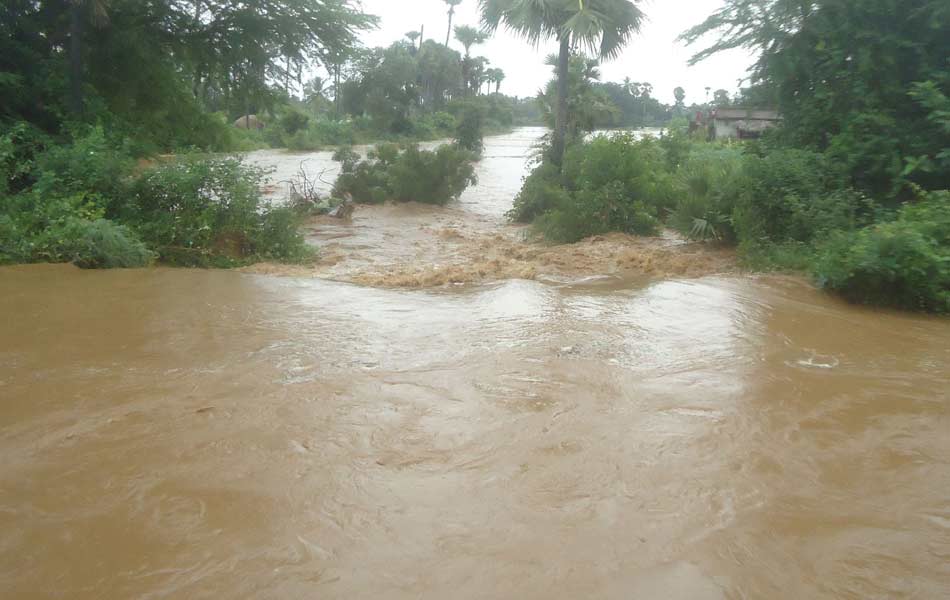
602,27
439,74
721,98
680,95
845,74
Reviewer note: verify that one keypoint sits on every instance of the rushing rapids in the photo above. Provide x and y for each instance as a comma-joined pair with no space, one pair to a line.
616,419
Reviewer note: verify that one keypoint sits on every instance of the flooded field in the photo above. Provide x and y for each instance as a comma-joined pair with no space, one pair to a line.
414,417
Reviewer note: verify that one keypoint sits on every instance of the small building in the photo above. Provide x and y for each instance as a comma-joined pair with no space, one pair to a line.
742,123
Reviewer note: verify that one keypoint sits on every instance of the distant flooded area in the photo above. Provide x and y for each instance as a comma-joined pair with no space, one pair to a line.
440,407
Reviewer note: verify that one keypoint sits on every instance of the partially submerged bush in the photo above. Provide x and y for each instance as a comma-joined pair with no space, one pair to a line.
904,263
594,211
432,177
612,183
200,211
542,191
102,244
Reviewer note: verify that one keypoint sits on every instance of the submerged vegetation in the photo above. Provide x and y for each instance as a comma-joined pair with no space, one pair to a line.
390,174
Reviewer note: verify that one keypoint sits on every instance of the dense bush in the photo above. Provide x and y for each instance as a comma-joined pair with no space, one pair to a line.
293,121
201,211
593,211
93,166
542,191
470,128
903,263
794,195
709,181
20,143
432,177
611,183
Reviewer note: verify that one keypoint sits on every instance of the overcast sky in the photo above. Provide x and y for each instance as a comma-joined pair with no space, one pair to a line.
654,56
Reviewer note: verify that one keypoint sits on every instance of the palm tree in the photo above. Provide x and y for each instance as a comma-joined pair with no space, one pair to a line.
478,70
412,36
77,22
452,4
602,27
496,76
469,36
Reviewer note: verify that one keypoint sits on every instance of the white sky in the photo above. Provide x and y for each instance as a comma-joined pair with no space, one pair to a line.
654,56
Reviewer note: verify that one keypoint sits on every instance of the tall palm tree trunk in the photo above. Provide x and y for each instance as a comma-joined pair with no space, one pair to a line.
75,57
448,34
559,140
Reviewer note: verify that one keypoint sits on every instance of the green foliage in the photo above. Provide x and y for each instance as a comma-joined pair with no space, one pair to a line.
904,263
208,211
469,131
19,146
153,71
589,105
864,81
709,183
592,211
294,121
796,195
542,191
92,166
612,183
432,177
102,244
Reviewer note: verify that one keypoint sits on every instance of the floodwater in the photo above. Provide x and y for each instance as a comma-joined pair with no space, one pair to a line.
628,434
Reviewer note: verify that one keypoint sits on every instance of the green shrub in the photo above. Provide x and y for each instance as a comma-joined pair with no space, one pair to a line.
795,196
677,144
293,121
541,192
208,211
12,242
708,184
103,244
304,140
334,133
19,146
611,183
469,132
365,181
433,177
596,211
904,263
92,166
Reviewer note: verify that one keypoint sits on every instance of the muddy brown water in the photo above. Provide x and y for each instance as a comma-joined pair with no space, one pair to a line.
205,434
